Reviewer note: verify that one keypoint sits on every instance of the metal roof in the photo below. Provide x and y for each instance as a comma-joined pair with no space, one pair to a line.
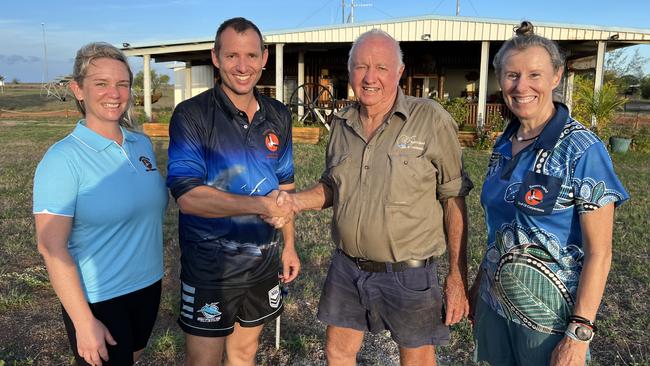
422,28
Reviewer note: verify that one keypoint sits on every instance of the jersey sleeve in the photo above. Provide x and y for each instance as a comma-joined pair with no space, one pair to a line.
56,184
285,172
186,167
595,183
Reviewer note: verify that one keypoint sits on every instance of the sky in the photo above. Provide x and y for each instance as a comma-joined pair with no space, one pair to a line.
32,31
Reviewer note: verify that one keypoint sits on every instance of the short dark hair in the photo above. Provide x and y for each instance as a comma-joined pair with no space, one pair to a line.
240,25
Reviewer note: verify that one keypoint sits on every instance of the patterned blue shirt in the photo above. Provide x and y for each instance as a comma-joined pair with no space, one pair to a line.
532,203
211,143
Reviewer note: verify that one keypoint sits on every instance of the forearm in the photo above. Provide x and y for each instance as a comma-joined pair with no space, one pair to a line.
597,227
66,283
592,285
317,197
288,230
455,221
52,234
206,201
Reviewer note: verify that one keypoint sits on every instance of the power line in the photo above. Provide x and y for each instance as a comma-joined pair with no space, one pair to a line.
437,6
315,12
472,5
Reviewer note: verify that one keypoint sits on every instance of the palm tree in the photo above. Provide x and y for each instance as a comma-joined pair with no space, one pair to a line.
599,106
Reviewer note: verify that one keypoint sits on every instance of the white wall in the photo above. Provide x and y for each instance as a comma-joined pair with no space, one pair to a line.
202,80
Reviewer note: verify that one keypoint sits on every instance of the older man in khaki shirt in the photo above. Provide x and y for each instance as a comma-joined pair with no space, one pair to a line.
395,180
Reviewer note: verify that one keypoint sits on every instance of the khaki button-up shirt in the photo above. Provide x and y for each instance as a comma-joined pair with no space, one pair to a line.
387,191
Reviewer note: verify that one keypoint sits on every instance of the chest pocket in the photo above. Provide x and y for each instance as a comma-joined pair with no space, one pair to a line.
410,177
537,194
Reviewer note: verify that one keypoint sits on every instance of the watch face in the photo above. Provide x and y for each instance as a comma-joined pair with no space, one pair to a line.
583,333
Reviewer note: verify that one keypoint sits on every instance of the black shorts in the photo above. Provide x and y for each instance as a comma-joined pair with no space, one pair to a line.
220,287
408,303
129,318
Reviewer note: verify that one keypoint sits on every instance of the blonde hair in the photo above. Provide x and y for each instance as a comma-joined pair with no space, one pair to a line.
91,52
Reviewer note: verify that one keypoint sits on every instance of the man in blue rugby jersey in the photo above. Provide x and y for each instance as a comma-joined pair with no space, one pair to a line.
230,154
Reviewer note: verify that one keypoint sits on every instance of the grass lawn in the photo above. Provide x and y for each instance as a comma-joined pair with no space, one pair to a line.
33,334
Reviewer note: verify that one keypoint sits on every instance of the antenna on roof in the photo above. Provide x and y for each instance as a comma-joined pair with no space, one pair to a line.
352,6
457,7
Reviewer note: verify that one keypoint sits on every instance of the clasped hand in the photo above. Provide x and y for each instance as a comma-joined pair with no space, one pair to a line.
281,209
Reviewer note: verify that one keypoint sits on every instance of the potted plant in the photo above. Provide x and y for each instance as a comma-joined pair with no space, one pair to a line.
621,136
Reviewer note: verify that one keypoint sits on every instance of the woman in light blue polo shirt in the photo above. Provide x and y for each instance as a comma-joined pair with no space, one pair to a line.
549,199
99,202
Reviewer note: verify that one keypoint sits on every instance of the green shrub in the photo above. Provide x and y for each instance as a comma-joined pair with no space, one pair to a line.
457,107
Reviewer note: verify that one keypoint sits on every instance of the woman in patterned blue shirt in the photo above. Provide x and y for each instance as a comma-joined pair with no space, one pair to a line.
549,199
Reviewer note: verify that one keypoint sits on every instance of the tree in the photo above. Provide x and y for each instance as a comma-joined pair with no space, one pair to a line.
645,88
600,105
624,68
157,80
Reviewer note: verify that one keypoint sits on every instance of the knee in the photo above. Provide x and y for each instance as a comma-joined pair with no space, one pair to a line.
341,352
241,354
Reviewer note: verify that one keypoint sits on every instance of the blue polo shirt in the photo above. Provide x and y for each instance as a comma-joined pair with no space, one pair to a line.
117,199
211,143
532,203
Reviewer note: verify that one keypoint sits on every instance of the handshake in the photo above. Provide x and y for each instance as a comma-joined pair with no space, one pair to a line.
280,208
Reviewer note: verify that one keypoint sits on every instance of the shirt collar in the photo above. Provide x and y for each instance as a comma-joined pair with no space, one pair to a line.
400,107
551,132
96,141
228,106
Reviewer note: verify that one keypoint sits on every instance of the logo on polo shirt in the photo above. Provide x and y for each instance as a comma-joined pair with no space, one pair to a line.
272,142
147,163
534,196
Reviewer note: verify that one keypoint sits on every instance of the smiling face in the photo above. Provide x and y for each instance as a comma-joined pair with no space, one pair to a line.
375,71
105,90
527,80
240,62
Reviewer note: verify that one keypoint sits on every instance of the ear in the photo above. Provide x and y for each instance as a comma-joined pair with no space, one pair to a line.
76,90
557,77
215,58
401,71
265,56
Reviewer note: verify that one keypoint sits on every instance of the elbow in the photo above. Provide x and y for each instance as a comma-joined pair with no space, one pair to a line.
185,205
601,260
42,249
46,251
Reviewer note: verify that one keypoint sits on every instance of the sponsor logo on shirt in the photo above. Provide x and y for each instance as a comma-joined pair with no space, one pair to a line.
409,142
534,196
210,313
272,142
147,163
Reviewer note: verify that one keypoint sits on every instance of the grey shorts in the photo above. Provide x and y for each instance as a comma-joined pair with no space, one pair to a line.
408,303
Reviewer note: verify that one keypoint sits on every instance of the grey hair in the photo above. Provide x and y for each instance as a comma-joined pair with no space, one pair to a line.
91,52
373,33
525,38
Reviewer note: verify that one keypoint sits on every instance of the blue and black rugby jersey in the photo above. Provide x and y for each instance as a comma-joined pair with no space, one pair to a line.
212,143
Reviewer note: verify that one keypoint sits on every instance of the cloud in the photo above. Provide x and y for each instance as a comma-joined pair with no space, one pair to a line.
17,59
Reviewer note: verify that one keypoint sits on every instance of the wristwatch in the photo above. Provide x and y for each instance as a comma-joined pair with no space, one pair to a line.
580,332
